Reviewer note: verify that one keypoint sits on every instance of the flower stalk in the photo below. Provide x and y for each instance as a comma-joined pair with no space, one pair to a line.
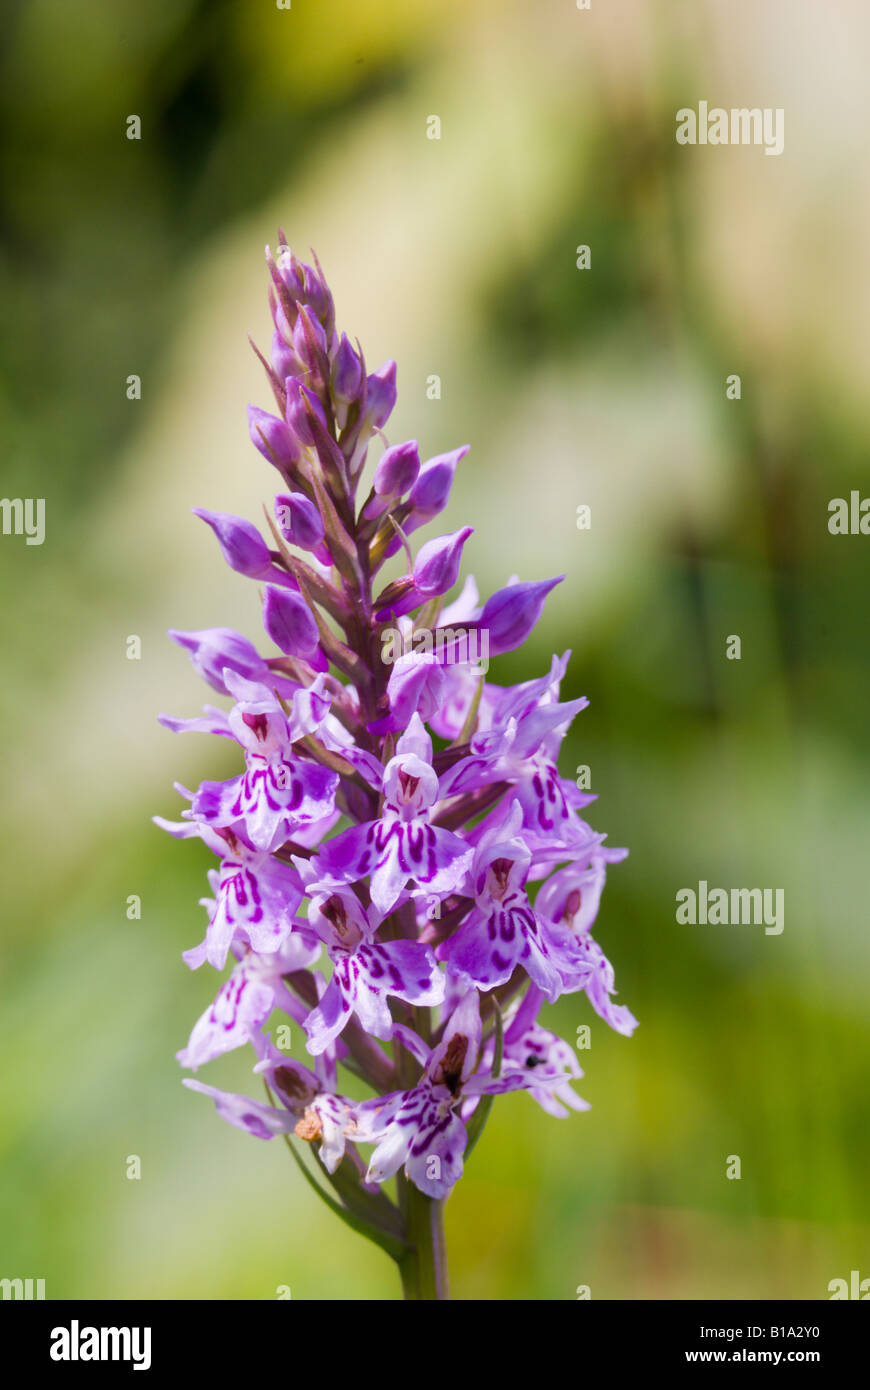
423,1269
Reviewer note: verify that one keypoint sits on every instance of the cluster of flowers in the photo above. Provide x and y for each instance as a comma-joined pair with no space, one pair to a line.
348,841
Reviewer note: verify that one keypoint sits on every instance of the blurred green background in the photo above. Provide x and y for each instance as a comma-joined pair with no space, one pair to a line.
604,387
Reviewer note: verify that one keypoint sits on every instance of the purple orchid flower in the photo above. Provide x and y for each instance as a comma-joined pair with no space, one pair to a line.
279,792
365,971
436,570
248,996
402,845
520,746
502,931
215,650
548,1063
255,895
306,1109
370,889
417,685
420,1129
569,900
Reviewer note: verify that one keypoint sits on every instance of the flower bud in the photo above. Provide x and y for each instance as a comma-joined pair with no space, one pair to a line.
511,613
288,621
381,394
417,683
281,319
284,360
275,441
315,413
291,272
241,544
299,520
309,340
436,568
318,295
301,404
346,372
431,492
397,469
213,649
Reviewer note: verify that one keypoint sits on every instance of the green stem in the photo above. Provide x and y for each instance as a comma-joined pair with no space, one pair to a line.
424,1267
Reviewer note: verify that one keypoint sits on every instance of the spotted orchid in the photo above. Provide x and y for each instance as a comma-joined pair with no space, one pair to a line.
405,880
